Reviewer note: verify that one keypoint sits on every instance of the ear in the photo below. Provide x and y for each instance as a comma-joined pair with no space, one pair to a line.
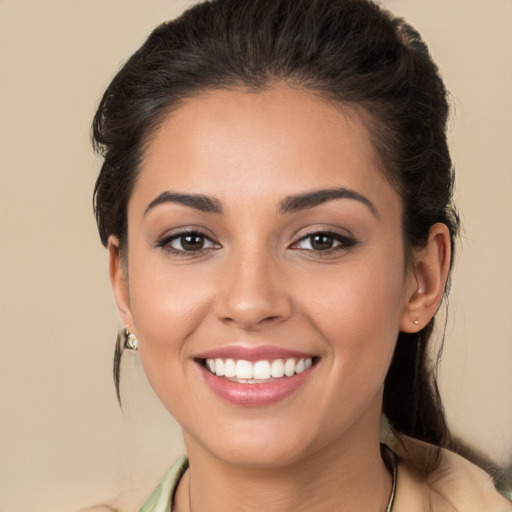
426,280
119,280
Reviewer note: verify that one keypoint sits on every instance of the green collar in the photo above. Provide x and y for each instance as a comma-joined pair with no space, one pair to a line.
161,499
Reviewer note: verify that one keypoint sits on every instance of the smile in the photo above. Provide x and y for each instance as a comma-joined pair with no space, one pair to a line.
247,372
256,376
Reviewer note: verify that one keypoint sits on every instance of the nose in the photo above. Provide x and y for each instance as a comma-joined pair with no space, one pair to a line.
252,292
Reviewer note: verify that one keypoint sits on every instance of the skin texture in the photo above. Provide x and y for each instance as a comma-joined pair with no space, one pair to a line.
258,281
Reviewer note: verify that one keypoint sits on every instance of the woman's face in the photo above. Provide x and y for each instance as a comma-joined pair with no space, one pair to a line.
262,230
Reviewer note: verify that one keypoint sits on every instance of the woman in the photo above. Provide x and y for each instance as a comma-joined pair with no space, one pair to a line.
276,198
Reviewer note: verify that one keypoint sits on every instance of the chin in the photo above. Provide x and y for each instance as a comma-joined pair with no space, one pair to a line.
259,444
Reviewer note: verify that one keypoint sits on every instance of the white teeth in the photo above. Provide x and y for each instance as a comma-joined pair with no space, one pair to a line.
277,368
289,367
229,368
263,370
243,369
219,367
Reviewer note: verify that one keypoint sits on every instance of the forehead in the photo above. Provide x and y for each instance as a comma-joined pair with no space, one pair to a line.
242,144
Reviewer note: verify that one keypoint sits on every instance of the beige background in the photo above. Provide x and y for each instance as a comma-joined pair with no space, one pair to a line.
64,444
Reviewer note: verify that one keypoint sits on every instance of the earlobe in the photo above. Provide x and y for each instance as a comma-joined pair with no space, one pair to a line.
119,281
427,280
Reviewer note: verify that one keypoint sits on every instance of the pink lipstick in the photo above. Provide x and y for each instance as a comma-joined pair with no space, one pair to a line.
255,376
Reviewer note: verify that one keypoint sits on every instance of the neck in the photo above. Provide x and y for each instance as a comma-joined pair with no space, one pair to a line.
348,476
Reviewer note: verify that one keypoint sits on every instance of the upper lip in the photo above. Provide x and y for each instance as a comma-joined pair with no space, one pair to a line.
253,354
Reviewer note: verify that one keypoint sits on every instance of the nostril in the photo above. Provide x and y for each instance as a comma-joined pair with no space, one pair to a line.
249,320
252,306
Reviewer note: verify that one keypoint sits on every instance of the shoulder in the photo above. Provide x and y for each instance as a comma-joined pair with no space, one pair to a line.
456,485
161,499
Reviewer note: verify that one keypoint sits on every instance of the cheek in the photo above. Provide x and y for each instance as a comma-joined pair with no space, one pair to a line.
358,311
359,319
167,307
166,300
364,294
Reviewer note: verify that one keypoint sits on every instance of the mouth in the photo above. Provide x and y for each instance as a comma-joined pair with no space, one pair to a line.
255,377
242,371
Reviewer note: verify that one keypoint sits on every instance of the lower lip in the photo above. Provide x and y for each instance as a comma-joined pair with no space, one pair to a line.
254,394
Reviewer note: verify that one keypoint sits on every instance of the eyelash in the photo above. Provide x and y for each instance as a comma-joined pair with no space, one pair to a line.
166,241
343,243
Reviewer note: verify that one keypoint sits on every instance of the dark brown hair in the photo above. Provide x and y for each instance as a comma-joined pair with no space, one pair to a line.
351,52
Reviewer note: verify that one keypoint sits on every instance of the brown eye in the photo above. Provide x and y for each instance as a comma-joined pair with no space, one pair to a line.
191,242
187,242
324,242
321,242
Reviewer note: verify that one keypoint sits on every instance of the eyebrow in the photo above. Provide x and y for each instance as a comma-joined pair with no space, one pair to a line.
198,201
289,204
317,197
